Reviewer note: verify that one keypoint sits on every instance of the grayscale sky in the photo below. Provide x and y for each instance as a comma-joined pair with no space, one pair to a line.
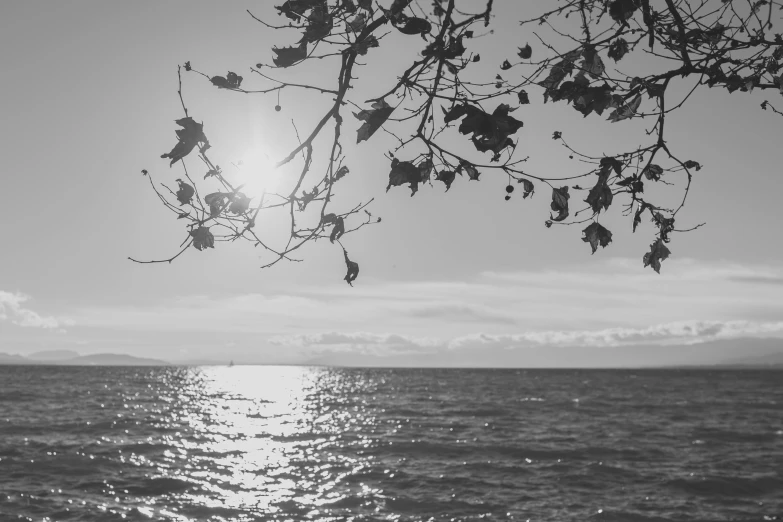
88,100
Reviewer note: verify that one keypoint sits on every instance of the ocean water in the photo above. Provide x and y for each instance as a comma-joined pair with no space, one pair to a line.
289,443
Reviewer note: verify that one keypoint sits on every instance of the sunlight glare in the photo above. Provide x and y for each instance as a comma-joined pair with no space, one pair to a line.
258,174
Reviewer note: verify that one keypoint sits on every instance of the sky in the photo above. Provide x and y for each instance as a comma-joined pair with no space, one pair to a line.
457,278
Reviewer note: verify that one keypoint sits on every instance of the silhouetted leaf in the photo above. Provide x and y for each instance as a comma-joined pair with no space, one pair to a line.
558,72
627,110
362,47
338,230
609,163
665,225
634,183
690,164
525,52
184,193
230,81
490,132
216,201
189,136
658,252
527,187
472,171
287,56
403,172
618,49
506,65
559,203
523,98
341,173
239,204
592,64
447,177
353,269
595,234
356,24
622,10
652,172
373,119
202,238
294,9
412,25
637,218
319,24
600,196
425,170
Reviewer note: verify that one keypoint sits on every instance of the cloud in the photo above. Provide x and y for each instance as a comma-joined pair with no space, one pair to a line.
682,332
359,342
11,309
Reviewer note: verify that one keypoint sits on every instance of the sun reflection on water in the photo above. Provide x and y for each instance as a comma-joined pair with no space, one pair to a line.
268,439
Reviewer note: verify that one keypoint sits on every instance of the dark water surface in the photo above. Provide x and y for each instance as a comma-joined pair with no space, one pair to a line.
287,443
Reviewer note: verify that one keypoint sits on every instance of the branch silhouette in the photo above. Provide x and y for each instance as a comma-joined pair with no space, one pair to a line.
696,45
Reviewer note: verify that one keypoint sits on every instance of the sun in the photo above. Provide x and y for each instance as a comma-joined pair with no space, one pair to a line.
257,173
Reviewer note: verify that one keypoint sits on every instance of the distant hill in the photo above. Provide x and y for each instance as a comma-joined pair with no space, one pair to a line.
53,355
100,359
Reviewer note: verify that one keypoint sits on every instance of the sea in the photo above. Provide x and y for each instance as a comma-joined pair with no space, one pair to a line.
248,443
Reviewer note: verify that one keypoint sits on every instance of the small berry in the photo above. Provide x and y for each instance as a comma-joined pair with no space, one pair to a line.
278,108
510,188
507,198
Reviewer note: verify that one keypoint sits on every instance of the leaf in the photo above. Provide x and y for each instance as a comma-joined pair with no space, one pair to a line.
595,234
341,173
592,64
364,45
230,81
185,192
288,56
240,203
491,132
627,110
558,72
560,203
608,163
357,23
353,269
473,173
373,119
425,170
202,238
403,172
525,52
189,136
447,177
527,188
618,49
658,252
216,202
506,65
338,230
637,218
295,9
320,24
633,182
652,172
622,10
600,196
412,25
690,164
523,97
